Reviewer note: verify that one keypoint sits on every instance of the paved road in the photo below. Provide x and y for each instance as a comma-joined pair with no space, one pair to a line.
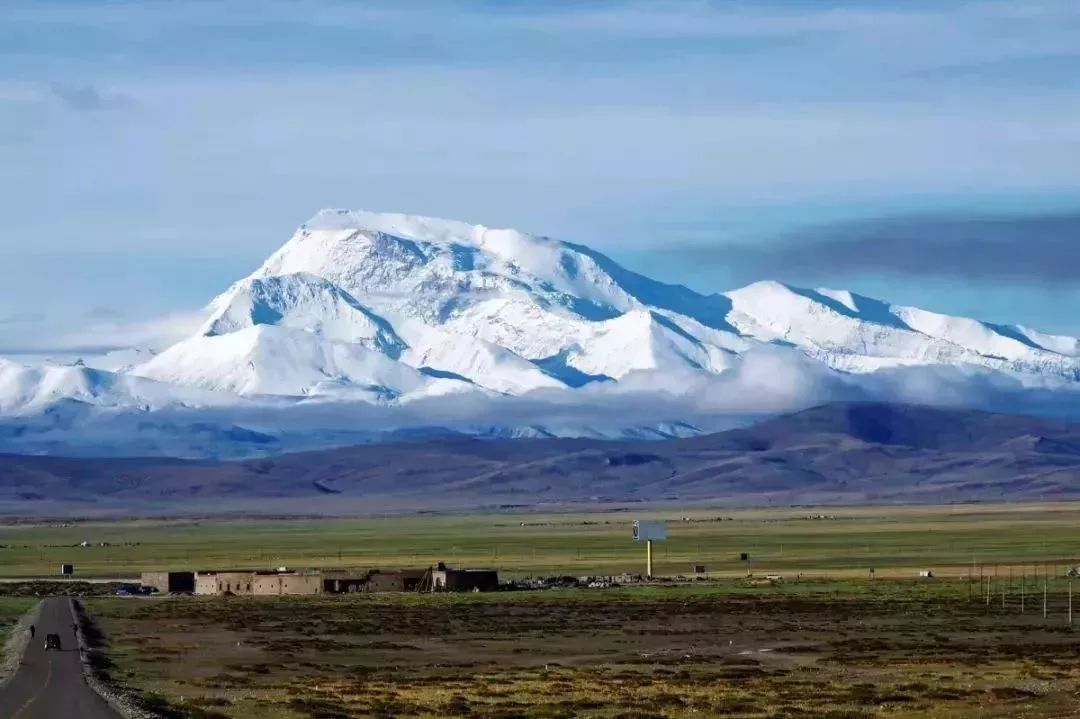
50,685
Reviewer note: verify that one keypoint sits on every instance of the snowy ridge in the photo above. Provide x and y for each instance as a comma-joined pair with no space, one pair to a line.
272,360
28,389
857,333
362,308
301,301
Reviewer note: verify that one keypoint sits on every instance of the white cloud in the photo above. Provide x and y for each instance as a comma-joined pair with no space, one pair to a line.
765,382
39,336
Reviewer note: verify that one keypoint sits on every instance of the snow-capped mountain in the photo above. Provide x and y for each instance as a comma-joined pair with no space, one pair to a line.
384,310
563,307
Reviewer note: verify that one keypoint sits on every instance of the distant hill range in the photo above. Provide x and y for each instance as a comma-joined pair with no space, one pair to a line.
844,453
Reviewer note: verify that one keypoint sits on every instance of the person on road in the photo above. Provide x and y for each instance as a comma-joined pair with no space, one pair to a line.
33,631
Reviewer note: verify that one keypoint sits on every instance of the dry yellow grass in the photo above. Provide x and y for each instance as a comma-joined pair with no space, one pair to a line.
825,650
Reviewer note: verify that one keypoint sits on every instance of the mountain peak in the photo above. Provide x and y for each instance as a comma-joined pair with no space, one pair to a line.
413,227
303,301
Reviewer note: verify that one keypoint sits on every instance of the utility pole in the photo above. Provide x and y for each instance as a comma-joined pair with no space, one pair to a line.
1044,596
648,558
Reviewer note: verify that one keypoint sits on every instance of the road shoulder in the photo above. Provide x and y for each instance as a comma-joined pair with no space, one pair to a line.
16,644
117,697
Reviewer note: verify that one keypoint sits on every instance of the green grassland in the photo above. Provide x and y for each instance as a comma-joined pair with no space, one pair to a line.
838,542
11,608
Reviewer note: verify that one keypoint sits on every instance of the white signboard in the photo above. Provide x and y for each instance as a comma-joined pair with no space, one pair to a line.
645,530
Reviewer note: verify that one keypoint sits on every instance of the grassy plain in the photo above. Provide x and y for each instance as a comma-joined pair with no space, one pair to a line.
827,642
11,608
845,542
821,649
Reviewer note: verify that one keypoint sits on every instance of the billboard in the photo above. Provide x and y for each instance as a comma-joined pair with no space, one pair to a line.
646,530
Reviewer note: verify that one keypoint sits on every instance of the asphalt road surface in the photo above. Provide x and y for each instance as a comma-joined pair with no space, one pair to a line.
50,684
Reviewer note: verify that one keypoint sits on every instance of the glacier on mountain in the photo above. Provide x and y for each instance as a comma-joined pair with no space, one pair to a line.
371,314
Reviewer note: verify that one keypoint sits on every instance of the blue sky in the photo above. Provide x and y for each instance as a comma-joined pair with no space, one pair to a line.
150,153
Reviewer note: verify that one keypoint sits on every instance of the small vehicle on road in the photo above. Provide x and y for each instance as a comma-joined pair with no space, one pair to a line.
52,641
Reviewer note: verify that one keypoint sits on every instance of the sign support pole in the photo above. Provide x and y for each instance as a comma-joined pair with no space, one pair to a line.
648,531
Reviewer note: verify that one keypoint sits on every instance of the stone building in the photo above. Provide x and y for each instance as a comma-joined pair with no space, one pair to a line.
375,580
289,582
229,582
444,579
313,581
166,582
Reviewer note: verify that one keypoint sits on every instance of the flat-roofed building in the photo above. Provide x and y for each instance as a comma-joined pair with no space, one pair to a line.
284,581
166,582
343,581
291,582
228,582
375,580
444,579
